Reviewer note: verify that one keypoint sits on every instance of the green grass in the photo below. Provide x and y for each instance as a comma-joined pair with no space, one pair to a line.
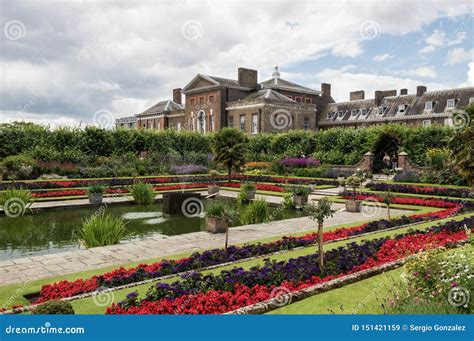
370,191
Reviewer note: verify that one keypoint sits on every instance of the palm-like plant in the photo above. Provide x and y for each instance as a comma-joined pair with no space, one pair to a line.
462,155
229,149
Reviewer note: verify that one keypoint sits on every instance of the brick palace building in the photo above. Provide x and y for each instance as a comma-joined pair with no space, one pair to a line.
278,105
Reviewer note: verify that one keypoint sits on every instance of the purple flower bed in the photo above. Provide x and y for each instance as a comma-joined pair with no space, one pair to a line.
300,162
189,169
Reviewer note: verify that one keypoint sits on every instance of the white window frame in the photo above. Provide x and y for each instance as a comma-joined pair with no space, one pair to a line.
363,112
211,121
242,123
254,124
451,100
426,123
329,115
402,108
340,114
178,126
354,112
230,122
429,105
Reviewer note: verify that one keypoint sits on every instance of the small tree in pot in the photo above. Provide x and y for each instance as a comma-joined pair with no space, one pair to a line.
248,191
217,219
319,213
95,193
300,195
353,205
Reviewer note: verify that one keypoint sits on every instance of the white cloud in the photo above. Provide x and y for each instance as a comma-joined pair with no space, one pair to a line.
434,41
102,86
422,71
382,57
347,49
459,55
470,74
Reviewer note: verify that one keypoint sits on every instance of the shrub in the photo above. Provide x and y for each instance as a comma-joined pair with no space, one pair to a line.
18,167
101,230
15,202
407,176
300,162
300,190
54,307
437,157
255,212
189,169
143,193
216,210
95,188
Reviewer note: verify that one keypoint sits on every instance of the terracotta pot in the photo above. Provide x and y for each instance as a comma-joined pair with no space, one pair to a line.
95,198
216,225
300,200
212,189
353,205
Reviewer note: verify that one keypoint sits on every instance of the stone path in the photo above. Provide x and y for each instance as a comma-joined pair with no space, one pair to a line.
32,268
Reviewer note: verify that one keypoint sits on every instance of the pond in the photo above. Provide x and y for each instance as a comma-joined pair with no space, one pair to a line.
51,231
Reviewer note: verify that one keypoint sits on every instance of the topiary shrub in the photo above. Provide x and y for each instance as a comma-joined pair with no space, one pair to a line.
54,307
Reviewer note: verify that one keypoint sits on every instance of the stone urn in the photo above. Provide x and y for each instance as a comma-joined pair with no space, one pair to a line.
95,198
353,205
217,224
212,189
250,195
300,200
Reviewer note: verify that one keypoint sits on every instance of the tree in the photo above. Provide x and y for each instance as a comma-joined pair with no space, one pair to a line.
229,148
387,199
319,213
462,155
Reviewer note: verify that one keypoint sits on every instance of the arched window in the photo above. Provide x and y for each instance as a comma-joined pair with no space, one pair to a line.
201,122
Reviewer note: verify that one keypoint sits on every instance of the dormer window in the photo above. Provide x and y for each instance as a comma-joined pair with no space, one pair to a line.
340,114
429,105
381,110
363,112
354,112
471,100
329,115
308,100
451,103
402,108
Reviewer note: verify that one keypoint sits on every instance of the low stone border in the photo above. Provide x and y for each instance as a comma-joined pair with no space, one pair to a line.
276,302
211,267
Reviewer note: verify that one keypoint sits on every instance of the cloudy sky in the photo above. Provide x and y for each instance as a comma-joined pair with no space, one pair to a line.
62,62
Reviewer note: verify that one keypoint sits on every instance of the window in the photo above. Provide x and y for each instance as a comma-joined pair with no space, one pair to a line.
363,112
192,101
340,114
308,100
451,103
402,108
201,122
429,105
178,126
471,100
426,123
306,123
329,115
299,99
354,112
231,122
211,121
211,99
381,110
201,100
242,122
254,123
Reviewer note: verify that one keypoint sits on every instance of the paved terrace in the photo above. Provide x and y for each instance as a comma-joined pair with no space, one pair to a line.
32,268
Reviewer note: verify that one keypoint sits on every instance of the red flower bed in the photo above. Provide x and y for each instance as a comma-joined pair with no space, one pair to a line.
261,187
409,201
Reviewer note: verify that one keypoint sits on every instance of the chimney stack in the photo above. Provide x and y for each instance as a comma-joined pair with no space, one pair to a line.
177,95
326,89
403,92
380,95
420,90
247,78
357,95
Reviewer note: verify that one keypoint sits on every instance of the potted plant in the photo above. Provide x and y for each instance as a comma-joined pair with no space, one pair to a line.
96,193
300,195
217,220
248,190
212,189
340,177
369,178
353,205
